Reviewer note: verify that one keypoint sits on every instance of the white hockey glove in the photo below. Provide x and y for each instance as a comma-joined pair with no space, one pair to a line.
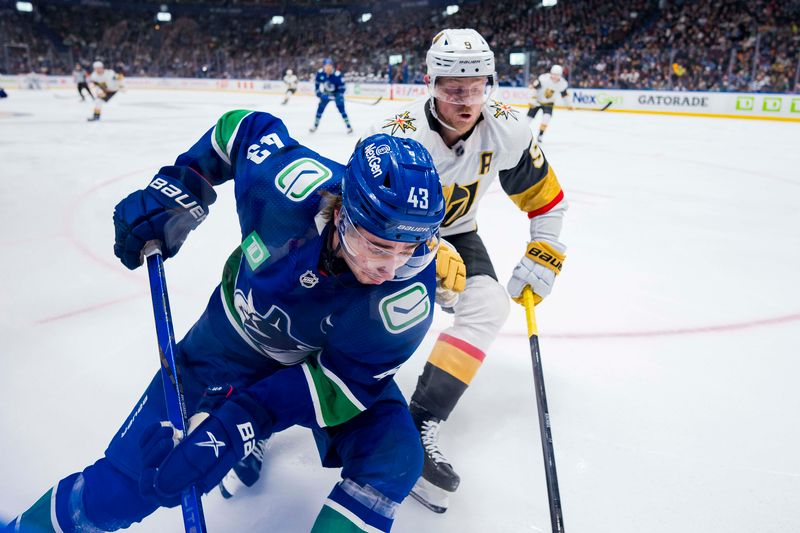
451,275
538,268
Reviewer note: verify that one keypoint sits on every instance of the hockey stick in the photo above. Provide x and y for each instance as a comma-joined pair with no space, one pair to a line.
366,103
193,519
556,518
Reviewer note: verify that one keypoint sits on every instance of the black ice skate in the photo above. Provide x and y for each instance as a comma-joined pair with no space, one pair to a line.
93,118
438,478
245,473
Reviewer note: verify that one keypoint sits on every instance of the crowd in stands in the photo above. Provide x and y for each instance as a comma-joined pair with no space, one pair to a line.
718,45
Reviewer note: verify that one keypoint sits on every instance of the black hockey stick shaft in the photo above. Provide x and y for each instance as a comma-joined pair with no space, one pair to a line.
556,516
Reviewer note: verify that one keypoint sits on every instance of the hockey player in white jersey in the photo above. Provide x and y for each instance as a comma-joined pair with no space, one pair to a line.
547,87
290,80
474,140
106,83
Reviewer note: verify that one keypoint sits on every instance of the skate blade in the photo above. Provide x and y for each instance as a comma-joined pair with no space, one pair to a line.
434,498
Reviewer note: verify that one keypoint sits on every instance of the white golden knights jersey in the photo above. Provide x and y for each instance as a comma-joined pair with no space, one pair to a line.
108,81
546,89
500,145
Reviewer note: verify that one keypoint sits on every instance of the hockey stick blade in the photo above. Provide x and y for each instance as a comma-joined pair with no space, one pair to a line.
608,104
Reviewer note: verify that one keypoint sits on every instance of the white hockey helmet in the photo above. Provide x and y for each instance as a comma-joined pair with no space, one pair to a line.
289,72
97,64
557,70
460,53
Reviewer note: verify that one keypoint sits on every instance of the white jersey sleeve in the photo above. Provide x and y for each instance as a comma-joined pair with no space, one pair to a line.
108,81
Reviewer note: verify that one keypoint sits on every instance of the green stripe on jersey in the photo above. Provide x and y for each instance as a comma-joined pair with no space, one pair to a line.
225,132
334,403
41,516
329,520
229,274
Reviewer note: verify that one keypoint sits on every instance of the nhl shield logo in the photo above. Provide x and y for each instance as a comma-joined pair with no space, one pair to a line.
309,279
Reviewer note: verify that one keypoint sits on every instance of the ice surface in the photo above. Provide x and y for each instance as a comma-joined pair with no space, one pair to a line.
669,343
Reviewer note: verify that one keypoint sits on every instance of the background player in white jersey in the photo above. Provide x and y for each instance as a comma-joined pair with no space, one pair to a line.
290,79
546,88
474,140
106,83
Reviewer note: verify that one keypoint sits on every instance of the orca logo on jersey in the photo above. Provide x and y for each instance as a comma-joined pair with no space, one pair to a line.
271,332
176,193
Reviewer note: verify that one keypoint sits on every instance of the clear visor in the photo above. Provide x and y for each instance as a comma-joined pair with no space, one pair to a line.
462,91
379,259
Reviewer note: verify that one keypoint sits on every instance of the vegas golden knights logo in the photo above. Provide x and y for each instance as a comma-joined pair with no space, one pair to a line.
459,199
548,93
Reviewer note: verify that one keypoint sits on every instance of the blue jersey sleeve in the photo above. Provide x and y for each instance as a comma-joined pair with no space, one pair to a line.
338,82
237,135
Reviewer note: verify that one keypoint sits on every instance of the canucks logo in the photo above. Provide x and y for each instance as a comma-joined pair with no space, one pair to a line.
271,332
459,200
403,310
504,110
401,121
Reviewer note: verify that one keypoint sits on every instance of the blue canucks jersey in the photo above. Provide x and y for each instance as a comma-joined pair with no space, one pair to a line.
337,342
330,84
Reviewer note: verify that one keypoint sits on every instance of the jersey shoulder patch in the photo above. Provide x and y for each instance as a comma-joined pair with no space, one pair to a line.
502,110
400,122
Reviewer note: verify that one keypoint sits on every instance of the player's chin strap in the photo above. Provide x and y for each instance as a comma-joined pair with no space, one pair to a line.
436,116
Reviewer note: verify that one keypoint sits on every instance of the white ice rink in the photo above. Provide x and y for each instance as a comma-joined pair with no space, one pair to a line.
670,343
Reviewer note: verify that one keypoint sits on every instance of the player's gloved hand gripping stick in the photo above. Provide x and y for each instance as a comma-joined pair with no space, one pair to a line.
193,518
556,518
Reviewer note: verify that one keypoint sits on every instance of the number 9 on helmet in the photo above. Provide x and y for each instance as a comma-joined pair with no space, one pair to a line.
391,190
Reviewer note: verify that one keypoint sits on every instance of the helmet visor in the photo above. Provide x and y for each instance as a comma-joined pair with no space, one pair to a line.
462,91
380,260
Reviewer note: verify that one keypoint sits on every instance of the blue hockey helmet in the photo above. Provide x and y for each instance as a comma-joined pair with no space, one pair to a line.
391,189
327,61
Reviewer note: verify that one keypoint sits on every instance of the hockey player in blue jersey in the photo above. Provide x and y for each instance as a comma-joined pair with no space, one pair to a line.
331,290
329,85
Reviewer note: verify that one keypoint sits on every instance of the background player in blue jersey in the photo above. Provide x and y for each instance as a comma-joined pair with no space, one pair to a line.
331,290
329,85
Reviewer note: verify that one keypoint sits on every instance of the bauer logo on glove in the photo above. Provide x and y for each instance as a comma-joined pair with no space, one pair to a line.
545,255
538,269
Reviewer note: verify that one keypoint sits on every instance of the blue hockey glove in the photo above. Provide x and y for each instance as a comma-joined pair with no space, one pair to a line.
174,203
201,459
